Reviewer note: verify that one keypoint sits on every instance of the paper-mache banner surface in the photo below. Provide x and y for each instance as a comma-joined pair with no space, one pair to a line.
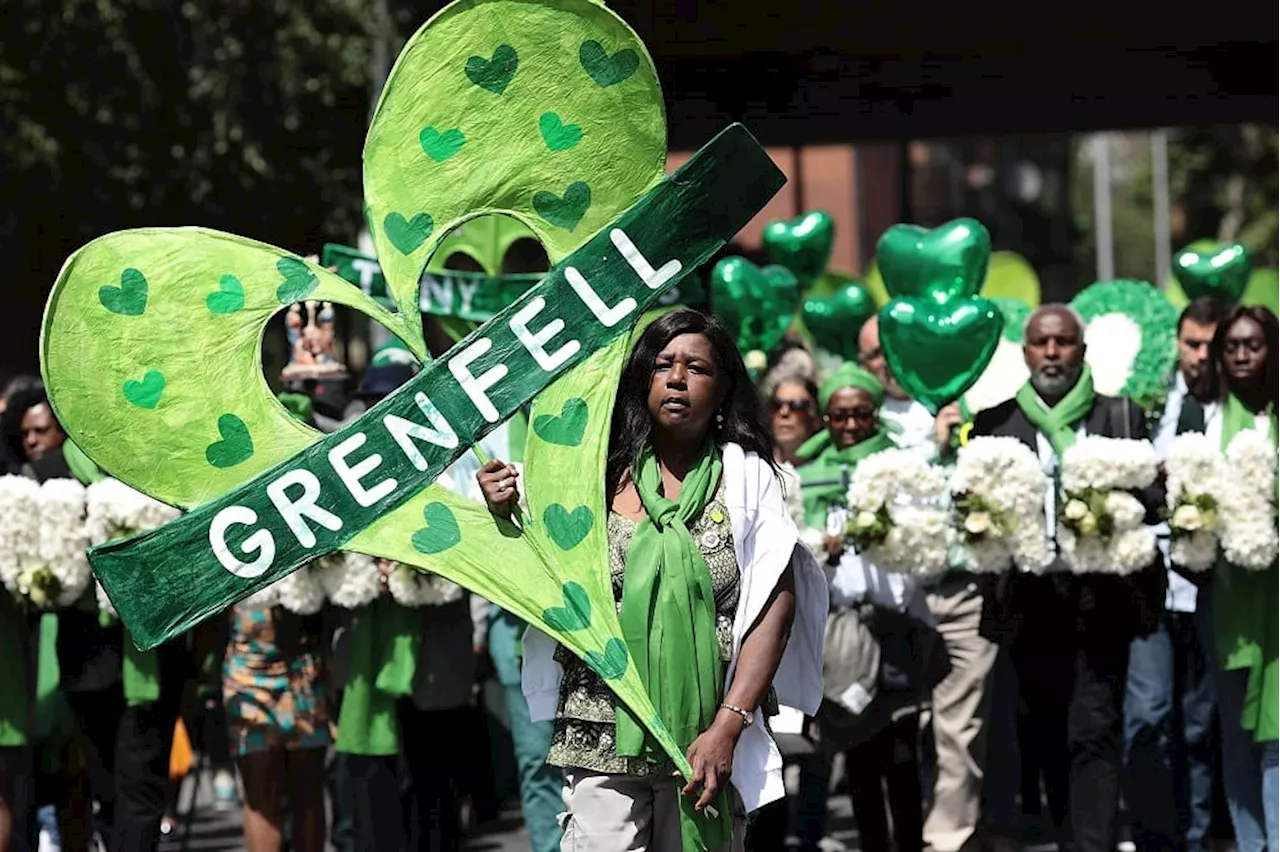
151,343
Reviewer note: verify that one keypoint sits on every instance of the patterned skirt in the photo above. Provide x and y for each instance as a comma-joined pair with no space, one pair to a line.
273,684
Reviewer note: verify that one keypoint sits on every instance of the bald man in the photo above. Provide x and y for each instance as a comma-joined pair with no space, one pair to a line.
1069,634
961,701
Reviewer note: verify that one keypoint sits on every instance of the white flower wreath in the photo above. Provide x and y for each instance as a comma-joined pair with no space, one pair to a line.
896,519
1100,525
43,541
997,491
1248,499
114,510
1196,473
352,580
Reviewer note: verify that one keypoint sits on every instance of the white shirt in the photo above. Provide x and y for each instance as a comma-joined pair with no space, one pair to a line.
765,542
914,422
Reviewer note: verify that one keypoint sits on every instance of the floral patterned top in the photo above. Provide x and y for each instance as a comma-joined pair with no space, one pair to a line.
584,725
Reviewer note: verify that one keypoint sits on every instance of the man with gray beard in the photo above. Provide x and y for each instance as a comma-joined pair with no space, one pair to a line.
1069,634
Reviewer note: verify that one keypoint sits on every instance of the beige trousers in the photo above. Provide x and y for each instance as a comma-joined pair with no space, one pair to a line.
960,704
625,813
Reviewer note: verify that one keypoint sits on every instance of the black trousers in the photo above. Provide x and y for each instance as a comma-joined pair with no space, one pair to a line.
127,750
1072,664
890,758
437,746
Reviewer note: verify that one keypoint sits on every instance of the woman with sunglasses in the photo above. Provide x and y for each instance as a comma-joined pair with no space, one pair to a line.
881,749
793,416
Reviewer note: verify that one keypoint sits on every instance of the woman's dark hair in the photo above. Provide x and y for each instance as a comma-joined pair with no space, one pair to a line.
1217,350
19,403
631,427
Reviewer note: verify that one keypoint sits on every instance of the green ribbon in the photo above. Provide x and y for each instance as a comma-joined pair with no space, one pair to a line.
822,480
383,647
669,624
82,467
1059,421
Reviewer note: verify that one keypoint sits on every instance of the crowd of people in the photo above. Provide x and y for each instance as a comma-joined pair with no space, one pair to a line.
961,706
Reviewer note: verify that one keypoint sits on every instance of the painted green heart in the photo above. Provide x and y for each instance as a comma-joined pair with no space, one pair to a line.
299,280
228,298
408,234
563,211
576,612
834,321
612,664
759,302
936,352
948,262
145,393
802,245
441,146
494,74
1222,272
567,529
130,298
441,531
236,444
567,429
607,70
558,135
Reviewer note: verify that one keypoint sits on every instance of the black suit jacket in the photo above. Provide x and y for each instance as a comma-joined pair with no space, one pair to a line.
1126,605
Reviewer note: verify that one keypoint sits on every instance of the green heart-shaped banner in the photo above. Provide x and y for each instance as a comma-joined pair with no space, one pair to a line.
1221,272
834,320
936,352
758,302
802,245
265,493
947,262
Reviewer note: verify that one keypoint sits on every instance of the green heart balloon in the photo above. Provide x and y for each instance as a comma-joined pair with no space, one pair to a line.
802,245
834,321
1221,272
937,351
758,302
948,262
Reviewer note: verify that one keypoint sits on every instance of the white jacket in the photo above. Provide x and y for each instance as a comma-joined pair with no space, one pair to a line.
766,542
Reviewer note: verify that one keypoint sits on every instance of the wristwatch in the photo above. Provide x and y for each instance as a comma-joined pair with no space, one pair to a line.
748,718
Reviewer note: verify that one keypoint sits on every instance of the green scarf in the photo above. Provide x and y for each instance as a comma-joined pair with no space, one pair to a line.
669,624
383,647
1237,417
1059,422
822,479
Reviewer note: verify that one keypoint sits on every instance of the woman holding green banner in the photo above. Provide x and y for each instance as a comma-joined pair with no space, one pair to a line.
711,583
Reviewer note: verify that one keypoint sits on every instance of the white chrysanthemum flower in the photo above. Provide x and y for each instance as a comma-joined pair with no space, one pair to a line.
350,580
19,528
413,588
300,592
1003,474
1125,511
64,568
919,534
1109,464
1247,502
1195,552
